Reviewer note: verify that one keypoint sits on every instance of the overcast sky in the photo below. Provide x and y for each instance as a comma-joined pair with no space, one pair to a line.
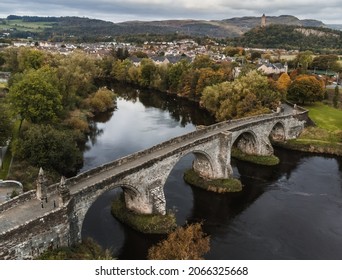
328,11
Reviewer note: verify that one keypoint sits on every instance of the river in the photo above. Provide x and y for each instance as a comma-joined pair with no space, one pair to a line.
290,211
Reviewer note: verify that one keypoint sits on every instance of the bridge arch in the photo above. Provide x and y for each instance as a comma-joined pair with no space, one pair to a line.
247,142
278,133
202,164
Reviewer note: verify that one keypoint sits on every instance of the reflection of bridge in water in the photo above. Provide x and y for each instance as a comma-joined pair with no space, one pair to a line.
28,225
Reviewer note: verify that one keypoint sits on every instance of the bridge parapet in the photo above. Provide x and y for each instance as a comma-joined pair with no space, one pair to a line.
140,154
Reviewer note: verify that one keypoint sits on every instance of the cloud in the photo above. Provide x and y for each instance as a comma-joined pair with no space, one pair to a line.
115,10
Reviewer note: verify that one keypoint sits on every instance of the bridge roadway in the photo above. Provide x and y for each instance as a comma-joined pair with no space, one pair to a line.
32,209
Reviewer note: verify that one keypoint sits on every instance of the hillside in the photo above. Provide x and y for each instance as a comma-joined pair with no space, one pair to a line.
316,39
85,29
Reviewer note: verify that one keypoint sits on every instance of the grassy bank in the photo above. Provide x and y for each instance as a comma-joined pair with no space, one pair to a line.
145,223
216,185
326,137
316,140
262,160
326,117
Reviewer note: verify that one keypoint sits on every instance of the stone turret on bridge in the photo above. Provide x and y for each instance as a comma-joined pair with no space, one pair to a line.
141,176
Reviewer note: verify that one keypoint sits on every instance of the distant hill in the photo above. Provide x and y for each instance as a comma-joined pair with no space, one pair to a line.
247,23
57,28
335,26
317,39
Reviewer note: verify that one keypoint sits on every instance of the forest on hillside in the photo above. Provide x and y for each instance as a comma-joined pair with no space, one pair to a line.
316,39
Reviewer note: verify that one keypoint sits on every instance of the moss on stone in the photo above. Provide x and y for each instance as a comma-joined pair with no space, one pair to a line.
257,159
145,223
215,185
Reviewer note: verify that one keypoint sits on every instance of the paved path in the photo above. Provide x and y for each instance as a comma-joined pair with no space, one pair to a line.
32,209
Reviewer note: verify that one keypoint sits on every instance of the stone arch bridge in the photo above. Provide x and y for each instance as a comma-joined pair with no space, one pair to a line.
52,216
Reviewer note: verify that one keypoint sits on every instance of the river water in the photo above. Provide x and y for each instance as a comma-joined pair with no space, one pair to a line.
290,211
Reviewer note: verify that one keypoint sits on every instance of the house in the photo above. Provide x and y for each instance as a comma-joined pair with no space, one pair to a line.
272,68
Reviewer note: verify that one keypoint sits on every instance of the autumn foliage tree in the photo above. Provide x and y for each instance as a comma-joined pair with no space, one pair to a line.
305,88
188,243
283,83
246,96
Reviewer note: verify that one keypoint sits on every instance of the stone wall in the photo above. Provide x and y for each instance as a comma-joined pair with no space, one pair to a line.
34,237
17,200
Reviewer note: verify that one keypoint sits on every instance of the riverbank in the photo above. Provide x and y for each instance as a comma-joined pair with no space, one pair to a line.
145,223
215,185
325,137
315,140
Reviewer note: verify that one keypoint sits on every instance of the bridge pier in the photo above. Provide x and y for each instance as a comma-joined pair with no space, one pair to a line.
215,163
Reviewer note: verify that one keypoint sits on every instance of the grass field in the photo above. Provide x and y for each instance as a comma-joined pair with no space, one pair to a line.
326,137
26,26
326,117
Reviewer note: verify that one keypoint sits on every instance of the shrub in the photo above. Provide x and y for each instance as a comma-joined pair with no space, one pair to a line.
101,101
188,243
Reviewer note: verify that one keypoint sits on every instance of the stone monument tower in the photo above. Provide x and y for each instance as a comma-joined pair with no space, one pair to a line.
263,21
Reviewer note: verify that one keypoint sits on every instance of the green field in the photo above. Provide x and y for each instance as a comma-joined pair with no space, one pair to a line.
326,117
20,25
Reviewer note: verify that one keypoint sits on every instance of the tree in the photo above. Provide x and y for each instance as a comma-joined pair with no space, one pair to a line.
189,243
305,88
35,96
120,69
30,59
76,74
101,101
147,72
246,96
43,145
336,96
326,62
304,59
283,83
5,125
175,73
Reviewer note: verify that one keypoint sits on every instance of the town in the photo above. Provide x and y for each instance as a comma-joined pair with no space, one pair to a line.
197,129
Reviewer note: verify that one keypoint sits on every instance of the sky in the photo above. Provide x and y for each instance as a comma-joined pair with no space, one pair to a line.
328,11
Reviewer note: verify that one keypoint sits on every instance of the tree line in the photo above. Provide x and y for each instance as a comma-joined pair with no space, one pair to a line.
56,95
51,98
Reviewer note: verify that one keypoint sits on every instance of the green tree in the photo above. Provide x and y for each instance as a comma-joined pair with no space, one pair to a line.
43,145
336,96
304,59
101,101
147,72
10,56
30,59
202,61
305,88
120,70
35,96
326,62
189,243
175,73
76,75
5,125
